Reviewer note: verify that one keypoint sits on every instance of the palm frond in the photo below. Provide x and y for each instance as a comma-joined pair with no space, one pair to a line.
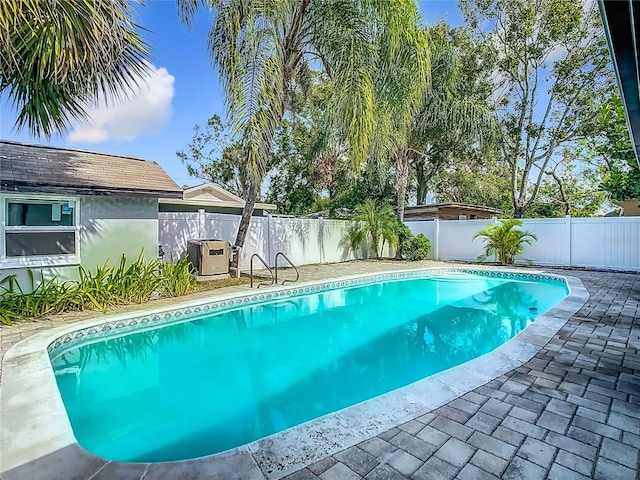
59,57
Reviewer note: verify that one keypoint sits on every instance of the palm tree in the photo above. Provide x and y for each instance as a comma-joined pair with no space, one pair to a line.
378,224
506,241
60,56
265,49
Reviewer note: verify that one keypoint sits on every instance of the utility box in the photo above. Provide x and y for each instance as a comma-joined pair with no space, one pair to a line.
210,257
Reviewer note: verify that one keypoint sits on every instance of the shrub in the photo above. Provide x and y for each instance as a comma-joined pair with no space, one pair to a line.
177,279
404,237
505,241
107,286
418,248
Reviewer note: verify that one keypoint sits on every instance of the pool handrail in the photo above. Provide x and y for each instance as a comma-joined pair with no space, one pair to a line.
290,263
266,266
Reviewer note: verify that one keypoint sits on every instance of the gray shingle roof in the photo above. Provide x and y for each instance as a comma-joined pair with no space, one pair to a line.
38,168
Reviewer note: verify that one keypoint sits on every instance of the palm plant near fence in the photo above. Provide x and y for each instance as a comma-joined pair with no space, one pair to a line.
376,224
506,241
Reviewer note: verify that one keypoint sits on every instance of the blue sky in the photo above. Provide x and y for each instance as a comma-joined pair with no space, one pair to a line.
182,91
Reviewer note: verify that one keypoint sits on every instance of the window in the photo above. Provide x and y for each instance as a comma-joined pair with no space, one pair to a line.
40,230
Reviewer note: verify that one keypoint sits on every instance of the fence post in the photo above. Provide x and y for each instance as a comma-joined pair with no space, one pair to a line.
201,223
268,240
568,237
436,240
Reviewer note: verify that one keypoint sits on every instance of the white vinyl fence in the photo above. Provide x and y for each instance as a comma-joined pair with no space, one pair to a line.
612,242
303,240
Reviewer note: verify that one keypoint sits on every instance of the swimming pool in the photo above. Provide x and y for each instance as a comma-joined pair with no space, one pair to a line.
215,379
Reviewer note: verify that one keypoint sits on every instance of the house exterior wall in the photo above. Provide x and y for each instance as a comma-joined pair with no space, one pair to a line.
108,228
448,213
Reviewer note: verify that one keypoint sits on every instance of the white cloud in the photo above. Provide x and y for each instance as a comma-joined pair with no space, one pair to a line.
145,110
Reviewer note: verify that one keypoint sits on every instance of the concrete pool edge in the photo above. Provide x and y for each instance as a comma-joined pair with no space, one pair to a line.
42,445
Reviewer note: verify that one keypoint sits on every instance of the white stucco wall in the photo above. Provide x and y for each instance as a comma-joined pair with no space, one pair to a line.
109,227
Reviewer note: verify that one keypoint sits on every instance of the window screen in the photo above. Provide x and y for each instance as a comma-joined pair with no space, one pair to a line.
26,244
35,227
45,214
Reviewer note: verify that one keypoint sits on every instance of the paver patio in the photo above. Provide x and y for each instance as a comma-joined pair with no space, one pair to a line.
571,412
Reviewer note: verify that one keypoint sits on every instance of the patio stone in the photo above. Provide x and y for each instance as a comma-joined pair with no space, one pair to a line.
435,469
574,462
489,462
340,472
403,462
455,452
608,470
537,452
520,469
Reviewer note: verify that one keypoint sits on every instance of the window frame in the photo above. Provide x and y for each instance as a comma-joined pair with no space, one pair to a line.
38,260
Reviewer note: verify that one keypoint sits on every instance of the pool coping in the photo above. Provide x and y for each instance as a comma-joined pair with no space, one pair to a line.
37,440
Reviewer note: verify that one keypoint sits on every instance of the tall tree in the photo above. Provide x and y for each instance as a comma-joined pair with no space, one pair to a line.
265,49
613,149
551,63
474,182
214,156
58,57
451,118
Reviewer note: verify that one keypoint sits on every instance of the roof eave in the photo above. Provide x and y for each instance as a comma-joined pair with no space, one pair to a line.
21,187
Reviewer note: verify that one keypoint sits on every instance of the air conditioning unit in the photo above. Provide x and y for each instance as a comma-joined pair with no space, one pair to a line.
209,257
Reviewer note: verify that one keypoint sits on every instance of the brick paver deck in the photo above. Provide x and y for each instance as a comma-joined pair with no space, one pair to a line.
571,412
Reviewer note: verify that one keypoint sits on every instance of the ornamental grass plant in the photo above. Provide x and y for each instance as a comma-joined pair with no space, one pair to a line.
107,286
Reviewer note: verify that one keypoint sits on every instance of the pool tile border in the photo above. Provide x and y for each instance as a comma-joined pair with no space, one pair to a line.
37,440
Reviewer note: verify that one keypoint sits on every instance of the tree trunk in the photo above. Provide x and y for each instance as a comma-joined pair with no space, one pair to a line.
245,221
402,175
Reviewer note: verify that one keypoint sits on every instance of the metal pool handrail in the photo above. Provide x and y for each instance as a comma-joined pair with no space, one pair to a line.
290,263
266,266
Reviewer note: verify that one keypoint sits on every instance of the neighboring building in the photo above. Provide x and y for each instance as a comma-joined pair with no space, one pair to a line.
212,199
630,207
449,211
62,208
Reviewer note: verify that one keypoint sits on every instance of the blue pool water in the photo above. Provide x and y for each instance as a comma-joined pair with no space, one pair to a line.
212,383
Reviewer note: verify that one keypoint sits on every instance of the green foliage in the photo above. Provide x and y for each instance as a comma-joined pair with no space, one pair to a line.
176,278
476,183
454,123
412,247
565,193
59,57
214,156
356,235
550,66
620,175
348,192
506,241
293,185
418,248
137,282
377,224
404,237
